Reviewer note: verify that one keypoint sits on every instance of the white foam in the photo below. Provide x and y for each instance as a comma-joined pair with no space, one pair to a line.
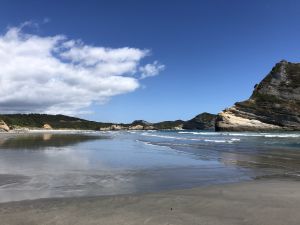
235,139
198,133
145,142
268,135
216,141
283,135
193,139
163,136
244,134
222,141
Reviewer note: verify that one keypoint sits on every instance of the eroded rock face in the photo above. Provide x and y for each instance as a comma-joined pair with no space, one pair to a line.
3,126
47,126
274,104
116,127
141,125
104,128
179,127
136,127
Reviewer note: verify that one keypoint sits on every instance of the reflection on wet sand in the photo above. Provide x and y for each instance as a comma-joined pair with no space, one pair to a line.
40,165
44,140
277,161
68,165
265,153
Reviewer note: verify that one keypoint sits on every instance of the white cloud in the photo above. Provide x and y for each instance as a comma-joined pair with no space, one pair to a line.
151,70
54,74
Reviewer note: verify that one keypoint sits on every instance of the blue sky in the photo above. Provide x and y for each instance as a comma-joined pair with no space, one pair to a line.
214,52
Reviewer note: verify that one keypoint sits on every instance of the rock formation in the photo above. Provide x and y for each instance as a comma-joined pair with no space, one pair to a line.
203,121
105,128
116,127
141,125
47,126
3,126
136,127
274,104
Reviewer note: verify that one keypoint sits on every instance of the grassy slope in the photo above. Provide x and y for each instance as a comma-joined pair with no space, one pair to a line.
56,121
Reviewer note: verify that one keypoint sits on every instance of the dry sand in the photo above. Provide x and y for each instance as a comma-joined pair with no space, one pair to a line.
262,202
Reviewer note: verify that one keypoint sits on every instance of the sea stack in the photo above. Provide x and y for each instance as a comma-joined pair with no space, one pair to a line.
273,105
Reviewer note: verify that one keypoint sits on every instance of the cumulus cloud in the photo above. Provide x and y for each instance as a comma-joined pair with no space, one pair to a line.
54,74
151,70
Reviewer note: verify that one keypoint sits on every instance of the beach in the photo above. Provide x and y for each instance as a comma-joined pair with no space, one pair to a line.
259,202
157,178
149,112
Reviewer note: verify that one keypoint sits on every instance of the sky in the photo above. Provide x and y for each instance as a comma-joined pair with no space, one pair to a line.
124,60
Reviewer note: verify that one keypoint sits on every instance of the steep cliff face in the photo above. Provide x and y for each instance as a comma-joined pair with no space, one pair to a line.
274,104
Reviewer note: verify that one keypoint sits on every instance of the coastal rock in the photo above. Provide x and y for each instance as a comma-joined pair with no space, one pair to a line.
3,126
117,127
179,127
136,127
274,104
141,125
228,121
203,121
47,126
104,128
150,127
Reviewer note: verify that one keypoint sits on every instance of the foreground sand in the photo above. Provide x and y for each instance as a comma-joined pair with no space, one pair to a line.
267,202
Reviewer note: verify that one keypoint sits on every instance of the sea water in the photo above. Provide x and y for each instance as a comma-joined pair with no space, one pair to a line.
68,163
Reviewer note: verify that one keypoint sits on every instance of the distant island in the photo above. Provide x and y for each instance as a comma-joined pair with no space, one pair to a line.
273,106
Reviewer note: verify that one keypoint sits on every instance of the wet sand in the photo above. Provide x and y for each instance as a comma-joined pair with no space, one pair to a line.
261,202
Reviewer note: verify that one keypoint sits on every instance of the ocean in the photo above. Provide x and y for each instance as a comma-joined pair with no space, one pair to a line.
89,163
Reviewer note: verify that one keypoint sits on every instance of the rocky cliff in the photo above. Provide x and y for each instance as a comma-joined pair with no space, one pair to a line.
274,104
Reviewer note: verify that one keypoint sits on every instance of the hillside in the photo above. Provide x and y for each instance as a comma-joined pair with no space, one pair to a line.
45,121
55,121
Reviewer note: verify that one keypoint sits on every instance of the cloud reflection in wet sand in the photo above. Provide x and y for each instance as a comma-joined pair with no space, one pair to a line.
62,165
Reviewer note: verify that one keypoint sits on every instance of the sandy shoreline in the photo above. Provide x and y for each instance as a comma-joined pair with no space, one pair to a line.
263,202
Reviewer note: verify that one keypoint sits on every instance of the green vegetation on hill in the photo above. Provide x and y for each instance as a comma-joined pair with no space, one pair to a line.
55,121
15,121
203,121
165,125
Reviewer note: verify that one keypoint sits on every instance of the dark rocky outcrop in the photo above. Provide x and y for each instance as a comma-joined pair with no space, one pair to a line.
274,104
169,125
203,121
